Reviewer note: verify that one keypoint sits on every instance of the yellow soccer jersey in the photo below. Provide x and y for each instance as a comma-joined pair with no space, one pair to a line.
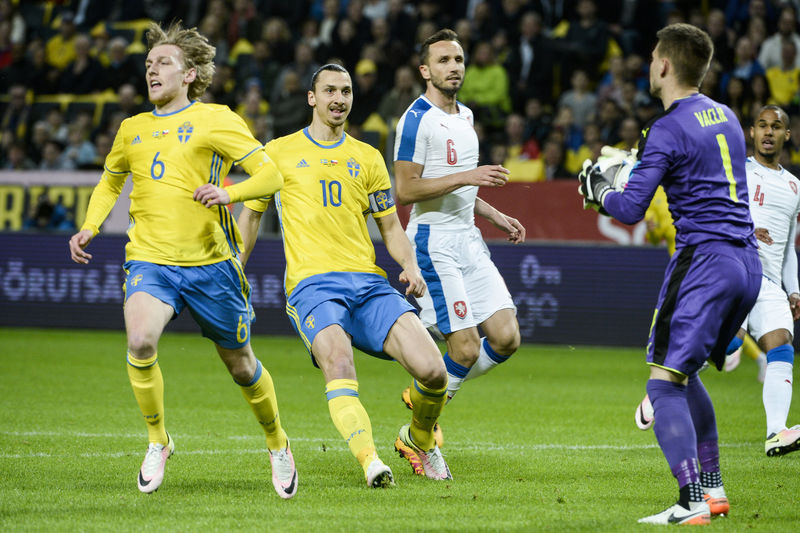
659,221
328,191
169,156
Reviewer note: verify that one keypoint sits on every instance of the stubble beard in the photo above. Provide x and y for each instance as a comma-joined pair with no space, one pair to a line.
772,158
447,90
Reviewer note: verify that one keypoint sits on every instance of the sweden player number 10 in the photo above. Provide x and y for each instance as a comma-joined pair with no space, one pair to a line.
331,192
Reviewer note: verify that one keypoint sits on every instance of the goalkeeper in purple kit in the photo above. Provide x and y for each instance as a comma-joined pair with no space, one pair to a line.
696,151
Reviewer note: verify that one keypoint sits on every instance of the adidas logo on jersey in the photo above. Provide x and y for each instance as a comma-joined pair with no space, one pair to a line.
302,164
136,140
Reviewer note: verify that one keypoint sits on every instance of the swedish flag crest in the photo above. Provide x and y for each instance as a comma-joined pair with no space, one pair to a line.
380,201
185,131
353,168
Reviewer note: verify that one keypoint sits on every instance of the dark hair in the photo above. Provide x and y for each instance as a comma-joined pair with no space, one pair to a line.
781,113
328,66
689,49
441,35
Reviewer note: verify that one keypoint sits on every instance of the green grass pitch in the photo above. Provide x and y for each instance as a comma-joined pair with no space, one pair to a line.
545,442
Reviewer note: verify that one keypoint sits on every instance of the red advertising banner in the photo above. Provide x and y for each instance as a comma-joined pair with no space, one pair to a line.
550,211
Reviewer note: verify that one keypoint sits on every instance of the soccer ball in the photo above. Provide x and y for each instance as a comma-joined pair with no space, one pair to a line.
617,168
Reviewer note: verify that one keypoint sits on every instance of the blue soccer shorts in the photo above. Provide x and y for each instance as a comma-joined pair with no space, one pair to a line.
217,296
365,305
707,292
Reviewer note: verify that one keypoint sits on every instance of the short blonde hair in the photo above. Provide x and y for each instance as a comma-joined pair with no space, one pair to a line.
198,53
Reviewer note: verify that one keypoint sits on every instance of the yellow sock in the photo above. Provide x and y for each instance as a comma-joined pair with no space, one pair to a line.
750,348
148,388
428,405
351,419
260,394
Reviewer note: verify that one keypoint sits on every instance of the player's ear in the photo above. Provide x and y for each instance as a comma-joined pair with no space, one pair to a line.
425,72
664,66
312,101
190,76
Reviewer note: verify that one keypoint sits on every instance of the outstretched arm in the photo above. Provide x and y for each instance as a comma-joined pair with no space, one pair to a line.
103,198
399,247
265,180
410,187
515,230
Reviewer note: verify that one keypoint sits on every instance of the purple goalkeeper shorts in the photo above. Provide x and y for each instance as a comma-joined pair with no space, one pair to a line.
707,292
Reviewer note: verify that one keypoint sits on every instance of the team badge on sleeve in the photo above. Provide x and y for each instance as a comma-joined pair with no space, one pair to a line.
381,201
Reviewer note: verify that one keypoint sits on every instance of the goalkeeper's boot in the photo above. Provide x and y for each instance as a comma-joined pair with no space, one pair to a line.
645,415
152,472
430,463
732,360
717,500
379,475
284,473
698,514
438,436
783,442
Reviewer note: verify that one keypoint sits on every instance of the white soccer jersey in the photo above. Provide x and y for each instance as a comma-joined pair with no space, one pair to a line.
774,205
445,144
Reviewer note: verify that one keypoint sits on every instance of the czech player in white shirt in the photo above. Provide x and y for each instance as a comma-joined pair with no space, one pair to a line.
774,206
436,157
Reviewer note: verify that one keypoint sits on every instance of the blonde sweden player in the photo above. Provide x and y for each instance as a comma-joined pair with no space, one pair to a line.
337,297
181,255
436,156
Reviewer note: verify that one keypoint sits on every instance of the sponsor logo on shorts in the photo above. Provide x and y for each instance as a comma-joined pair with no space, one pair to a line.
460,307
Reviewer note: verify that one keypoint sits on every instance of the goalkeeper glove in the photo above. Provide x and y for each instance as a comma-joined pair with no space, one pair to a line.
593,187
616,156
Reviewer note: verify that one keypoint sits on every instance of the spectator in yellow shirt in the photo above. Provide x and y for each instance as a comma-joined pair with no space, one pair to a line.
60,49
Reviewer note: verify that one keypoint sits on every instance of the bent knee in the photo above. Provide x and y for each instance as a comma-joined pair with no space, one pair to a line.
465,350
434,375
242,373
506,342
141,345
336,366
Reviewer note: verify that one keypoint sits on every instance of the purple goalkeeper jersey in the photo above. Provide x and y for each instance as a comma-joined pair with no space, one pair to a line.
696,151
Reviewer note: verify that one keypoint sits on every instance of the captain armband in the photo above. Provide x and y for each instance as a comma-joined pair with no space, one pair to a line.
380,201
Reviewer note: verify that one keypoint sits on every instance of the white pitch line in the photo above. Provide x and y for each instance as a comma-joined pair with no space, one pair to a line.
329,445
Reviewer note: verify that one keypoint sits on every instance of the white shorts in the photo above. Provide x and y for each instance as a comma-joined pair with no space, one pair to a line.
770,312
464,286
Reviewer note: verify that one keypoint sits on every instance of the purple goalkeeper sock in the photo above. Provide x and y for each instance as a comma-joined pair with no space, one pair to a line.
674,429
705,424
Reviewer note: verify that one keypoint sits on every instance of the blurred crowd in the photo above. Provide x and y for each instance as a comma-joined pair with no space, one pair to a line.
550,82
